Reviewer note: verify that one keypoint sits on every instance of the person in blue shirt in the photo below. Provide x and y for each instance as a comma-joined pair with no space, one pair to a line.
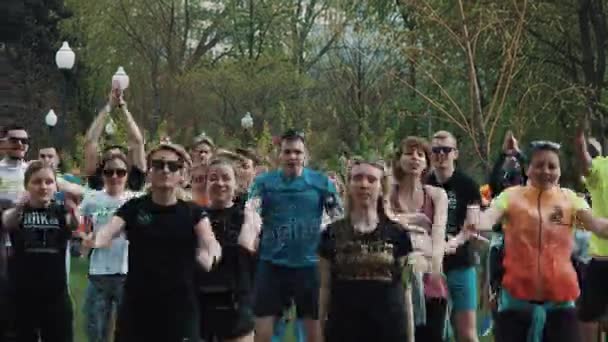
292,199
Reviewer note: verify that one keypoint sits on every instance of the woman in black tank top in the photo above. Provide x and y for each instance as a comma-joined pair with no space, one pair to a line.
225,292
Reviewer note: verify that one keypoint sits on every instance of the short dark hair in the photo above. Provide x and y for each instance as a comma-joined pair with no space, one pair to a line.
11,127
543,145
293,135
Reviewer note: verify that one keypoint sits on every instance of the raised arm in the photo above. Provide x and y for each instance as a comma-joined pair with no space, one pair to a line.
440,218
91,142
580,147
137,152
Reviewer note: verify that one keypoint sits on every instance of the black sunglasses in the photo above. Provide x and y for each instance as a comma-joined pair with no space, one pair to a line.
442,149
111,172
15,140
172,165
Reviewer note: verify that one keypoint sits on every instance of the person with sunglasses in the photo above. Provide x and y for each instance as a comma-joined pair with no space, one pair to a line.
539,285
459,267
293,199
107,266
593,302
136,152
362,261
167,237
13,165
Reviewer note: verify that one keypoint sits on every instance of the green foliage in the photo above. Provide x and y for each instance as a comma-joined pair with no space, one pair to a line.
357,77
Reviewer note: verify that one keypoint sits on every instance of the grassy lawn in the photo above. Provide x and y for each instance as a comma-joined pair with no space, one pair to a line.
78,284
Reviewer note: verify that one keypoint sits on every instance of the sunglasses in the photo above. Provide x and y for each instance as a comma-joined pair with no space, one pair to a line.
111,172
15,140
442,149
172,165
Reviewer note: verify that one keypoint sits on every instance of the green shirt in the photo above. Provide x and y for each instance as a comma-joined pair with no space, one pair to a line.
597,184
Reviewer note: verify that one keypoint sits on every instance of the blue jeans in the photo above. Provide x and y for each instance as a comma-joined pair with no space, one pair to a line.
103,296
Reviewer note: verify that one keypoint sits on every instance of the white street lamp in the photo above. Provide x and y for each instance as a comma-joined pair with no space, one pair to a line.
65,57
247,121
50,119
122,78
110,127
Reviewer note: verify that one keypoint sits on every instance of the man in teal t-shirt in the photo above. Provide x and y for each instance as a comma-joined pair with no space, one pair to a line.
293,199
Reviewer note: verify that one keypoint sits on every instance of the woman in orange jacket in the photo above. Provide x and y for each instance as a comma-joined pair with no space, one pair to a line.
539,283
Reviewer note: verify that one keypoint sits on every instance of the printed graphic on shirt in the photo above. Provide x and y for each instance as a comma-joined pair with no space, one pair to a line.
452,224
144,218
41,233
359,260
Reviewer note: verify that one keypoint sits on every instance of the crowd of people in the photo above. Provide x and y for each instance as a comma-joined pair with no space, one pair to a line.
206,244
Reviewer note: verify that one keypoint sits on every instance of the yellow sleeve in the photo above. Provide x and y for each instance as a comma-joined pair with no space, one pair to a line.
599,167
501,202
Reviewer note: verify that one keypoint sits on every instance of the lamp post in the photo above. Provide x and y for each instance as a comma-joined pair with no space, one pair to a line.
122,78
50,120
247,124
64,58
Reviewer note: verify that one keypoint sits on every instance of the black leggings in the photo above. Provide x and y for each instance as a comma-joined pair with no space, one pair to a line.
433,330
561,326
50,318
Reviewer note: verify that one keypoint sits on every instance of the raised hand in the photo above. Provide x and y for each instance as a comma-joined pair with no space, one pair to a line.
252,225
510,145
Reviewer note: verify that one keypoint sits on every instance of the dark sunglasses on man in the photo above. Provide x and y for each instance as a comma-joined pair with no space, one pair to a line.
160,165
120,173
442,149
16,140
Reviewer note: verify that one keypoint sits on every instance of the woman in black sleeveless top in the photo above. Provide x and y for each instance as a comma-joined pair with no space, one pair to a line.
225,292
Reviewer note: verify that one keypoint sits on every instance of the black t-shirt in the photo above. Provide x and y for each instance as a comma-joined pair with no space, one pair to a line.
234,272
462,190
135,182
366,268
162,247
40,245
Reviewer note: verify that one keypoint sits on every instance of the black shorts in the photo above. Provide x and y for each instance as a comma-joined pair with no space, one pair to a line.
593,301
165,318
225,316
276,286
560,326
50,318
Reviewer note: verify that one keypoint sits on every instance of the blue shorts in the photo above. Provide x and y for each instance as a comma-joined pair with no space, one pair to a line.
462,284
